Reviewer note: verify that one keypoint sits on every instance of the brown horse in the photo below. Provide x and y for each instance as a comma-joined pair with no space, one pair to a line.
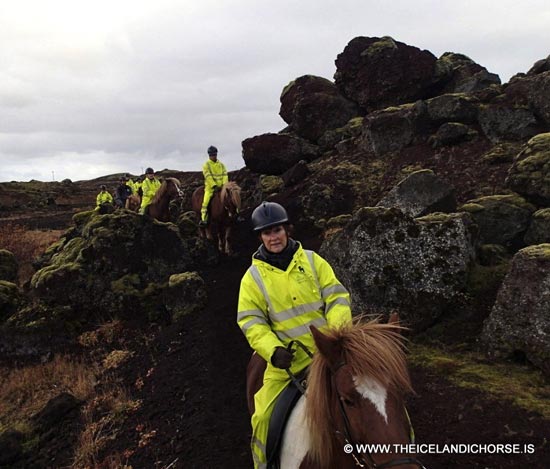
133,202
355,396
159,208
222,212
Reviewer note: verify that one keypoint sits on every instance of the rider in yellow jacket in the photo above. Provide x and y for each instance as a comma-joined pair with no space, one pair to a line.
149,187
103,197
285,291
215,176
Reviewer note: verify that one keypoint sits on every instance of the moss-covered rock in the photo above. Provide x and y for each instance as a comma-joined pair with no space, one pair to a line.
519,320
420,193
502,153
502,122
539,229
530,173
115,265
186,293
388,260
270,184
8,266
10,299
502,219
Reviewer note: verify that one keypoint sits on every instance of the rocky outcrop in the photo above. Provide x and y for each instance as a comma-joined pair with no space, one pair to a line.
275,153
394,128
312,105
8,266
380,72
422,192
457,73
114,265
501,122
452,108
534,93
452,133
519,320
10,299
389,260
539,229
502,219
186,293
530,173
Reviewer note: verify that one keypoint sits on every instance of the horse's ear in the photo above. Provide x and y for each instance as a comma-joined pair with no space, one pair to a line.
327,346
394,319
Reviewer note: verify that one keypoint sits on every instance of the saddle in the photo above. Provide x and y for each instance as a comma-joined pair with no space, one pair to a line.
283,408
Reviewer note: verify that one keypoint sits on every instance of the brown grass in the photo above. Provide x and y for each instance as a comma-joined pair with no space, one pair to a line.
102,418
24,391
26,245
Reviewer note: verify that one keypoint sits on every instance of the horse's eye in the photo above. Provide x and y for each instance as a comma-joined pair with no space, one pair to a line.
347,401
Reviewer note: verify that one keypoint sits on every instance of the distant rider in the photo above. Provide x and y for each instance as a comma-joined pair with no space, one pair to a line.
149,186
215,176
122,192
103,198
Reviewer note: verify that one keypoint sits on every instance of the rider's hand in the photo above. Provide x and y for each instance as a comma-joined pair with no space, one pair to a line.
281,358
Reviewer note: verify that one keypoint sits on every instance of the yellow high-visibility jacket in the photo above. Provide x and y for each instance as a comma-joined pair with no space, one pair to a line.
103,197
278,306
132,186
149,188
214,173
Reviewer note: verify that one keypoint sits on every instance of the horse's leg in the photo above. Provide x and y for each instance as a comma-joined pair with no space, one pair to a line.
228,249
221,239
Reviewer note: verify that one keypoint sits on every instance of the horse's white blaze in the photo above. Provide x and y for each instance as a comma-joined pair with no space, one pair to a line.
296,438
372,390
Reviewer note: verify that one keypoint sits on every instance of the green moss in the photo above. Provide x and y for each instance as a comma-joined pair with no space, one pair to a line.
471,208
271,184
127,285
525,387
485,278
178,279
43,275
385,43
537,251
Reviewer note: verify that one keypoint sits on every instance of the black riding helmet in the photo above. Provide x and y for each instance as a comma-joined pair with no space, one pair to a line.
268,214
212,150
149,171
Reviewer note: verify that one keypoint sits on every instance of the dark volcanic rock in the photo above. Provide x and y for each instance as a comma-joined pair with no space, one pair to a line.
388,260
275,153
502,219
501,122
539,230
530,173
452,133
452,108
8,266
379,72
519,321
457,73
534,93
312,105
422,192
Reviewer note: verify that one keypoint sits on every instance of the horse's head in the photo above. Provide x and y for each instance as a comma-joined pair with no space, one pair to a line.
365,369
173,188
231,198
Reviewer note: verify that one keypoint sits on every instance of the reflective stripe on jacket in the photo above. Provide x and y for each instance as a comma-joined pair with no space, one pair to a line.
278,306
214,173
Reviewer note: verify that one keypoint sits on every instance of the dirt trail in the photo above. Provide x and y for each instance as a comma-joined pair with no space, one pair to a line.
194,399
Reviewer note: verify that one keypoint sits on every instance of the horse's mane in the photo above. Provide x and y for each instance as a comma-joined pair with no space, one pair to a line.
371,349
163,189
231,189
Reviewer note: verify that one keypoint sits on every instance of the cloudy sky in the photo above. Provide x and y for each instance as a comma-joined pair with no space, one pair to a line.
89,88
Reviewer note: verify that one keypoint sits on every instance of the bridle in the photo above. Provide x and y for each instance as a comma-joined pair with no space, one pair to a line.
359,459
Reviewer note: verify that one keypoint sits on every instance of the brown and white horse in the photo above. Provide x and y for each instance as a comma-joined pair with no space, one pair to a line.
355,396
223,210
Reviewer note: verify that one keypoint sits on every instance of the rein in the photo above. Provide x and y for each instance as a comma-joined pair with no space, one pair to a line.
360,458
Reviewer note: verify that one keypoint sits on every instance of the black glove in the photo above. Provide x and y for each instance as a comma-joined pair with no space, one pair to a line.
281,358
